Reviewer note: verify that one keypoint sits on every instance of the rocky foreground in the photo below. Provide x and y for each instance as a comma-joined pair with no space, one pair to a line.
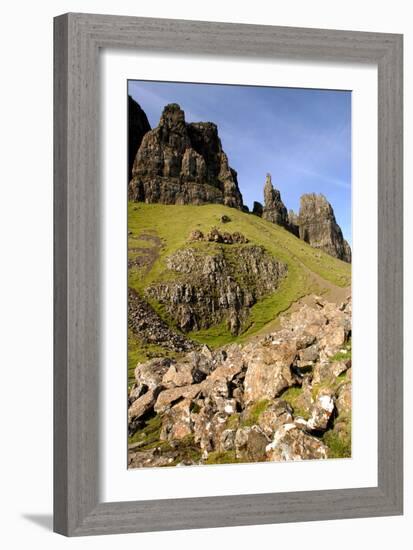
284,396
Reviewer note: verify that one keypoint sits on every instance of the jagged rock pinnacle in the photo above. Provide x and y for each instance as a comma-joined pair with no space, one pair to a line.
181,163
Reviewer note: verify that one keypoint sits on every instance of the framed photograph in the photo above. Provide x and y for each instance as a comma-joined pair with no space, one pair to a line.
228,274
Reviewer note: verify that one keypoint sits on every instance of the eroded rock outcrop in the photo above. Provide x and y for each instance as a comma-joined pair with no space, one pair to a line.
180,163
138,126
217,236
318,227
216,284
316,223
252,402
274,209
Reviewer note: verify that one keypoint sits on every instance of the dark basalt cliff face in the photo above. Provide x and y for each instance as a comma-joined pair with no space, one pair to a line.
138,126
318,227
180,163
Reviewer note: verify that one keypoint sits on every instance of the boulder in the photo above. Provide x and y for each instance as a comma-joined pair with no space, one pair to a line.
327,371
269,371
211,429
241,441
292,443
167,397
196,235
176,422
321,412
307,357
141,405
217,236
178,374
149,375
256,445
274,416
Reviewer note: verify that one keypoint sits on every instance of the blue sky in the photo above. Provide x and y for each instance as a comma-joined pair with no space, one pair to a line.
302,137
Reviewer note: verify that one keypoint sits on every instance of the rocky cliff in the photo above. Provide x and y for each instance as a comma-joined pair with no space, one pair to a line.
316,223
180,163
210,284
138,126
318,227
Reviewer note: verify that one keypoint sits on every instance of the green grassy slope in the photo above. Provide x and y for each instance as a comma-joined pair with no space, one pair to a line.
164,229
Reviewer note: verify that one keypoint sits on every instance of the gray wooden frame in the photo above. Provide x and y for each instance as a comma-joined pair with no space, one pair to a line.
78,39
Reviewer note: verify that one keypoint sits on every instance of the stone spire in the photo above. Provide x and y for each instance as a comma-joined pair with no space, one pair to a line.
274,209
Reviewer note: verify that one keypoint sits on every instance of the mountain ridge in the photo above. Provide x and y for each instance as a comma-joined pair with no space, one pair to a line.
184,163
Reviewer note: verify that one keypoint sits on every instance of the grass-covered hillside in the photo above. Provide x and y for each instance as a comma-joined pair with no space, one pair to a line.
156,231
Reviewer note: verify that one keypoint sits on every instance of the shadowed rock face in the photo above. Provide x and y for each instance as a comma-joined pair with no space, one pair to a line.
318,227
138,126
180,163
274,208
257,209
293,223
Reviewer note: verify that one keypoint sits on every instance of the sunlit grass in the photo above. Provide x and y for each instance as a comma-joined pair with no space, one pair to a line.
172,224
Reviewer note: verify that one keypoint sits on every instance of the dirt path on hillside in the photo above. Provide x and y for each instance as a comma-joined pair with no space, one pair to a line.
330,291
325,288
